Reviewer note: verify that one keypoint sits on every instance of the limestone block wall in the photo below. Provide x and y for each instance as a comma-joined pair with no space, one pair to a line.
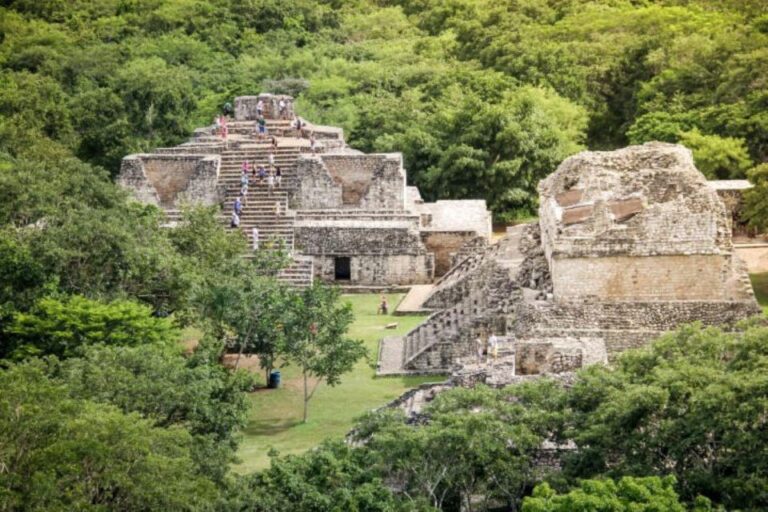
350,181
454,215
444,245
672,277
381,252
657,316
378,269
640,222
315,189
245,106
166,180
619,326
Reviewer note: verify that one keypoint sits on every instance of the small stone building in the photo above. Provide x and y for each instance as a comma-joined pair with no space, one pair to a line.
361,224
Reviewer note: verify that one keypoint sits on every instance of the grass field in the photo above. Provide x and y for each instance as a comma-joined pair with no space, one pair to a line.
276,415
760,285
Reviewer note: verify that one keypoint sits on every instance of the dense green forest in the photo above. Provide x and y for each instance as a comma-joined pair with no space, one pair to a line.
101,408
483,98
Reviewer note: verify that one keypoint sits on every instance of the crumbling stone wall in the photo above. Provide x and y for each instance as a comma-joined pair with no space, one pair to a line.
640,222
245,106
629,245
445,244
350,181
167,180
386,251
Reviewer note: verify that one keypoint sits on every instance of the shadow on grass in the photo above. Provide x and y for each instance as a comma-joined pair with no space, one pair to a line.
269,426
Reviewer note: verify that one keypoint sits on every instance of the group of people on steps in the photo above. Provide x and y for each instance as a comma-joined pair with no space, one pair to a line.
271,175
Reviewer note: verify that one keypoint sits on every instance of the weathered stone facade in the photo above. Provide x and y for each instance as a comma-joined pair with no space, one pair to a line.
356,210
629,245
167,180
245,107
348,181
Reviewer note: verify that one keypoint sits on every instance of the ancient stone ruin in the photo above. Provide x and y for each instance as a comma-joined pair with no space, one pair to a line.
344,216
629,245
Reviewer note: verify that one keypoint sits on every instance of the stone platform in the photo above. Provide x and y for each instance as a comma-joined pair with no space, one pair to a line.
413,302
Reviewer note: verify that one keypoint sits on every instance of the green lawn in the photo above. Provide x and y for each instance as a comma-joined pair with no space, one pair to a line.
760,285
276,416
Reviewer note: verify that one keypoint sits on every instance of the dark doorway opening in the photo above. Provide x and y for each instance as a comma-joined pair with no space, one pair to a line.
342,268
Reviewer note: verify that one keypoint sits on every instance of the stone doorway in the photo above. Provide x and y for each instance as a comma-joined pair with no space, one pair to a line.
342,268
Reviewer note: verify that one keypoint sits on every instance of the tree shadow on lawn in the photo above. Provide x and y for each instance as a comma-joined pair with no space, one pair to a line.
270,426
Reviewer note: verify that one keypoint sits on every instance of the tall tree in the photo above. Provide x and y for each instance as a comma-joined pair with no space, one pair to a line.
315,331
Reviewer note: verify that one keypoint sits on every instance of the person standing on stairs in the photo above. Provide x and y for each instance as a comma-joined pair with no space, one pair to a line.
273,140
281,108
238,206
246,166
244,185
271,183
224,129
312,143
235,221
271,159
255,238
260,108
262,174
262,123
278,176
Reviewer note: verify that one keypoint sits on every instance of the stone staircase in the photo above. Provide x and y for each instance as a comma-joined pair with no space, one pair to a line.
266,211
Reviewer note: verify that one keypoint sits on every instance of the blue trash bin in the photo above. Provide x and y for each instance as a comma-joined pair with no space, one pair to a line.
274,379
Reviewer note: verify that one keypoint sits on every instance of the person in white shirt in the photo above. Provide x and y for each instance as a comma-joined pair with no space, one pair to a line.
255,238
493,347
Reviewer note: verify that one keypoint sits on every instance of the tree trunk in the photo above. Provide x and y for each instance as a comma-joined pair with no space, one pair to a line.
306,396
268,367
239,354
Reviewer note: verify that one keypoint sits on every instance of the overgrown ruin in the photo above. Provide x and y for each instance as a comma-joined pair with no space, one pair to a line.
345,217
629,244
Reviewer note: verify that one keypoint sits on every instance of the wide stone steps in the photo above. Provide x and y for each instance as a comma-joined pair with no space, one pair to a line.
300,273
266,211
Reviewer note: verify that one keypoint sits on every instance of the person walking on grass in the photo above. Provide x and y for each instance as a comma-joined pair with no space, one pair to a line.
383,306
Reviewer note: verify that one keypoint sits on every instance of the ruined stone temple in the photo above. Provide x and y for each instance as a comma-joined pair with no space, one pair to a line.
629,244
344,216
